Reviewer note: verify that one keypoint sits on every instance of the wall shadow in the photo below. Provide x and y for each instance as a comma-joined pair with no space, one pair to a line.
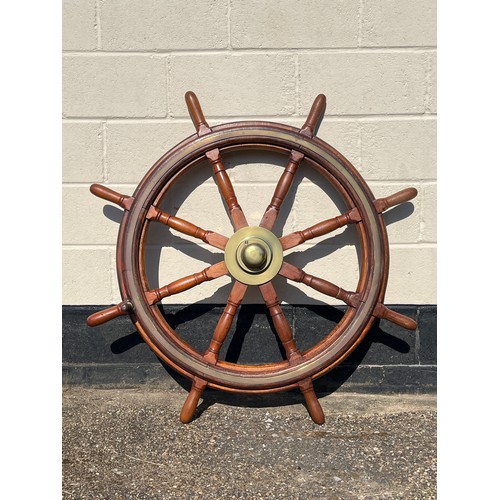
238,348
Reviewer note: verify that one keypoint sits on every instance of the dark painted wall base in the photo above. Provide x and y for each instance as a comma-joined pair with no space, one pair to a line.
390,359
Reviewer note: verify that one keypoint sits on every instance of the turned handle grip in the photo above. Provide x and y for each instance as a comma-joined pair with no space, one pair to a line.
108,314
196,113
109,195
312,403
317,110
189,408
382,311
395,199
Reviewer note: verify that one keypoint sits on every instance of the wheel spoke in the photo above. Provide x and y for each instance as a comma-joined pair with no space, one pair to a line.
286,179
282,188
293,273
293,354
183,226
327,226
183,284
225,321
220,175
226,189
280,323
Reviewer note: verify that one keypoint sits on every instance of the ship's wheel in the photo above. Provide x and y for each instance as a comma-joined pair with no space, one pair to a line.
253,257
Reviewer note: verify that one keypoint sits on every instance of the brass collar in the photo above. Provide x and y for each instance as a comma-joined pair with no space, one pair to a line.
253,255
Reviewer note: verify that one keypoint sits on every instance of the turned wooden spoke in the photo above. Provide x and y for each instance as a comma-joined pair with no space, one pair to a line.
327,226
295,274
183,284
226,189
282,188
225,321
280,323
293,354
220,175
183,226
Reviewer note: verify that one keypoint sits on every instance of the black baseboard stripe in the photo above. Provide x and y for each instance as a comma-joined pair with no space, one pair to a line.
389,360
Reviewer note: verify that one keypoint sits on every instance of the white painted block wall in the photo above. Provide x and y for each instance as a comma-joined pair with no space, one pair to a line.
126,67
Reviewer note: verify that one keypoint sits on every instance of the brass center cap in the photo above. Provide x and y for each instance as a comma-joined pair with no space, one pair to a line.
253,255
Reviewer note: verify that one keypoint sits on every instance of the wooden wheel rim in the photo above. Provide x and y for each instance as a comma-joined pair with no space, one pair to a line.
255,378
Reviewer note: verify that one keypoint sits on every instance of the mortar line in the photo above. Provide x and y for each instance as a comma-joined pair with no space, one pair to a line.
88,183
105,170
167,90
274,117
388,182
258,51
361,8
297,76
98,24
360,146
229,45
308,182
415,245
421,225
427,83
115,294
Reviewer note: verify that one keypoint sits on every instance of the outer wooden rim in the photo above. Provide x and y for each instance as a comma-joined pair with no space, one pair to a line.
323,356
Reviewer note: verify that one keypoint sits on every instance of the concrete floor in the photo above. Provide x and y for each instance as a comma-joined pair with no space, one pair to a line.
129,443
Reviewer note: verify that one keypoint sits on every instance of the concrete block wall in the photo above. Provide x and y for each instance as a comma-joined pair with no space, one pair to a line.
126,67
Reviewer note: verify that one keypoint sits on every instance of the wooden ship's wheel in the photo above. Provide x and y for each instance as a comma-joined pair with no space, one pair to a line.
253,256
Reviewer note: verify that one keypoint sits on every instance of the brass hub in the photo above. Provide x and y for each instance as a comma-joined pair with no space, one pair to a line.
253,255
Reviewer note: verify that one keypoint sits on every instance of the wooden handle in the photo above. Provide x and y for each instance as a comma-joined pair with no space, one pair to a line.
407,194
196,113
382,311
317,110
312,403
187,412
109,195
101,317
